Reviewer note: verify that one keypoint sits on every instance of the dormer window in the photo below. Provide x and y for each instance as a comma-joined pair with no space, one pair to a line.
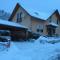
19,17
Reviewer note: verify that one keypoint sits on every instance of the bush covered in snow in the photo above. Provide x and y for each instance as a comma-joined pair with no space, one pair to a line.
45,39
53,41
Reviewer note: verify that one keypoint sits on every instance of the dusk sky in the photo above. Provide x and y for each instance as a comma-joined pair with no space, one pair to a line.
44,6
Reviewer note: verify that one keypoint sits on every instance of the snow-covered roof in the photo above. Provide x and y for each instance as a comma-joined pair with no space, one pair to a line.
53,24
34,13
38,14
9,23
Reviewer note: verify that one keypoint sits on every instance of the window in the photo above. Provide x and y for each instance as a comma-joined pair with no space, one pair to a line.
19,17
38,30
41,30
57,21
50,19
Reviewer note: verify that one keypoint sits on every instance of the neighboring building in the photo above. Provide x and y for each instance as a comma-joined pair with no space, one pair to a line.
34,23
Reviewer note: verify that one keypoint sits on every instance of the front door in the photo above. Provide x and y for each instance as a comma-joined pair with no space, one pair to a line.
51,31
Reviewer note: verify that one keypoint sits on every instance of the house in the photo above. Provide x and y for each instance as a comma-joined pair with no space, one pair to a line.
20,15
34,22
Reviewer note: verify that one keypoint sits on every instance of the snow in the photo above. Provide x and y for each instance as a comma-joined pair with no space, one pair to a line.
53,24
4,31
30,51
32,12
6,37
9,23
38,14
45,39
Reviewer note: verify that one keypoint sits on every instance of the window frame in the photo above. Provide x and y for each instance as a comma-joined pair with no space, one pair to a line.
19,17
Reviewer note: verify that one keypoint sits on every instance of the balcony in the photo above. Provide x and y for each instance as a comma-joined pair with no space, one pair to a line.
53,24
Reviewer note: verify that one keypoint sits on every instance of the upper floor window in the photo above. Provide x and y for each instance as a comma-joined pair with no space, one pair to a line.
50,19
57,21
19,17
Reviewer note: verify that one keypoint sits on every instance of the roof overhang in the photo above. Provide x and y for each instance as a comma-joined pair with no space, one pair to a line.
4,24
53,24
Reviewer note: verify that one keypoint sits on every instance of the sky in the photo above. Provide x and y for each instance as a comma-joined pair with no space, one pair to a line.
44,6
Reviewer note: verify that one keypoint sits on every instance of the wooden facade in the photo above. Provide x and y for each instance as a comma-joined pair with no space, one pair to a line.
15,32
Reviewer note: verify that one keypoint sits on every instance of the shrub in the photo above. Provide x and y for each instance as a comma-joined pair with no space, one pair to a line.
53,41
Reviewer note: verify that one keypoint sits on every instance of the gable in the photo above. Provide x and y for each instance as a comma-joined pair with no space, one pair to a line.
33,13
14,12
29,13
54,15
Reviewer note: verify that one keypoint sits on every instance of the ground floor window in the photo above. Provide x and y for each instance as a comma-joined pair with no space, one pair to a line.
4,32
40,30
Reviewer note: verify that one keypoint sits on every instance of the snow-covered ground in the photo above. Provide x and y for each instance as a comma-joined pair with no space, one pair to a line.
30,51
45,39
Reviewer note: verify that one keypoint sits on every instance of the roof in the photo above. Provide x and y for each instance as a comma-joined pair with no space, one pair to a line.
9,23
34,13
30,12
38,15
54,12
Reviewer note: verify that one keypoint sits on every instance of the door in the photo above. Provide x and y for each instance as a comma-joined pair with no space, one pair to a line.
51,31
